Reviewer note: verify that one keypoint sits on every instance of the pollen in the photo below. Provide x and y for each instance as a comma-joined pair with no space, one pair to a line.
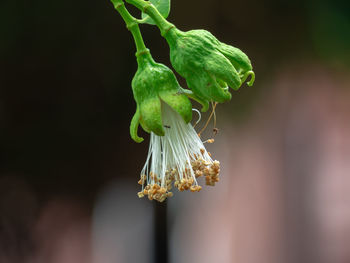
176,160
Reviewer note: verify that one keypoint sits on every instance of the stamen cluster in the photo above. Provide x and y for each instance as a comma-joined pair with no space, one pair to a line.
176,159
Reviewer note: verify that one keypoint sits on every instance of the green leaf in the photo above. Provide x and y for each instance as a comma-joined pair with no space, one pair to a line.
163,7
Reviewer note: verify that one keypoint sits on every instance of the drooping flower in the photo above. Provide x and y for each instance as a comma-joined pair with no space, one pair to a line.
152,84
177,159
208,65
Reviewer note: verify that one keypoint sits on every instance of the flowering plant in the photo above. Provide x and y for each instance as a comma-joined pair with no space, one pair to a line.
177,156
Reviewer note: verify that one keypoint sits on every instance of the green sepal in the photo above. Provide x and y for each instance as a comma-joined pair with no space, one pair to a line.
191,95
239,60
134,125
151,115
178,102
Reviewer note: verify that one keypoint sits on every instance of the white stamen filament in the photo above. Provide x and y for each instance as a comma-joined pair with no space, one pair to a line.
179,156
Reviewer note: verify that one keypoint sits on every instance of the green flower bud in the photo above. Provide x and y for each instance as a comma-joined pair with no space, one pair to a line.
153,83
208,65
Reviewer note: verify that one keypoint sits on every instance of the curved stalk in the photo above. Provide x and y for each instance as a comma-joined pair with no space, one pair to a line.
132,26
148,8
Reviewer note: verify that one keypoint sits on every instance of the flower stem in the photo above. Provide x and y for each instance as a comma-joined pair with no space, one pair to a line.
148,8
132,26
160,232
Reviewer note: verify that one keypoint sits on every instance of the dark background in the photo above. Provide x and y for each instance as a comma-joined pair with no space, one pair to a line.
66,104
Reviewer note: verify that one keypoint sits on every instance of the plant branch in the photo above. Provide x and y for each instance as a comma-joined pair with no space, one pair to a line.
131,25
148,8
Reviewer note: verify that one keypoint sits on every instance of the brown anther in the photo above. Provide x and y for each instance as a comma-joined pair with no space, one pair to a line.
216,163
210,141
199,173
215,131
212,172
202,151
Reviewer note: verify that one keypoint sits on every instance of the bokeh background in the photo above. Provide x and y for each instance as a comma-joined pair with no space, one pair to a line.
69,170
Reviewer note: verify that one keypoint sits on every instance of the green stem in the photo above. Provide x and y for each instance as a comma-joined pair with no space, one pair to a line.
148,8
132,26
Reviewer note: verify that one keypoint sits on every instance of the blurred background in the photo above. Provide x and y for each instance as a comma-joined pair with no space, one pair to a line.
69,170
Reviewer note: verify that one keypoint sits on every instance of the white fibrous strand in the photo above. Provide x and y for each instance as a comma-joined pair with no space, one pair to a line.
176,159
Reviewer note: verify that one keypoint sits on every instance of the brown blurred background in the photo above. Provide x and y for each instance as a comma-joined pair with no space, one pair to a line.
69,170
